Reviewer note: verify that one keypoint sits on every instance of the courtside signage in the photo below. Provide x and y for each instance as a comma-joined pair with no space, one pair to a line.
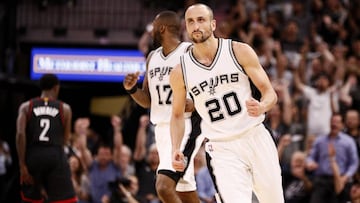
94,65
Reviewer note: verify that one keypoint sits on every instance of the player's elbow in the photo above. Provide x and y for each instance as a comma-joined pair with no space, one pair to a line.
19,137
177,116
275,99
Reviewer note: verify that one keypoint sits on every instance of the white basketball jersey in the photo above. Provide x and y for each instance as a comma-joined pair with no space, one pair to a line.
159,67
219,92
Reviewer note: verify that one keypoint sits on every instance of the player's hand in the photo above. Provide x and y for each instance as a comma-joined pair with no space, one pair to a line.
25,177
131,80
179,161
189,105
253,107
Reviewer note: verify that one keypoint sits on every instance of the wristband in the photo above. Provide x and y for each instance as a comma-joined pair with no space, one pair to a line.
132,90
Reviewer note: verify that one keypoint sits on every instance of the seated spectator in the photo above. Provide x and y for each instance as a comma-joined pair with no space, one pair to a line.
124,190
355,193
296,181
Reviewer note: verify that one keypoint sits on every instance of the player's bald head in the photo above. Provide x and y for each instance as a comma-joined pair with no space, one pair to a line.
200,8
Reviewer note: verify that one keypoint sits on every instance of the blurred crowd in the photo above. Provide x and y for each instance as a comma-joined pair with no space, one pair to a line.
311,51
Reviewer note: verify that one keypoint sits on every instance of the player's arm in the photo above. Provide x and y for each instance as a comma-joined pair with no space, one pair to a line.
177,122
67,122
21,143
140,96
20,133
248,59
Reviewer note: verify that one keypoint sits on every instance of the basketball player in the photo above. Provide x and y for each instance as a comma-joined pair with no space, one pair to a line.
156,94
222,76
43,127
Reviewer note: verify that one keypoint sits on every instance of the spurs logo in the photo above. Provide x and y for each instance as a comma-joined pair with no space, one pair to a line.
163,72
160,72
212,85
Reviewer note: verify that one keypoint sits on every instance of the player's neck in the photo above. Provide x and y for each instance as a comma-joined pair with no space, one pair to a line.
170,46
206,50
47,94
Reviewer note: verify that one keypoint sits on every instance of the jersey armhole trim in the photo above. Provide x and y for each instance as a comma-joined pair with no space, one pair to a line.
182,65
233,56
149,58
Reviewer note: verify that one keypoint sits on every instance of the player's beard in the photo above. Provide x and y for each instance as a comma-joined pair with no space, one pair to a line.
157,40
205,35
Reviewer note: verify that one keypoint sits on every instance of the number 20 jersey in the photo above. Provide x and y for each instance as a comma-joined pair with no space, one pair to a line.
219,92
158,74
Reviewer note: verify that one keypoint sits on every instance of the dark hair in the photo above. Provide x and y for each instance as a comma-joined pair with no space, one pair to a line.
170,19
48,81
323,74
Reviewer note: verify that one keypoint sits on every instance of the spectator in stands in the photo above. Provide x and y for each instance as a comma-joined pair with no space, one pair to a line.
352,127
145,137
124,191
321,103
126,164
319,162
5,162
146,168
279,117
331,26
205,185
297,181
350,90
82,127
103,168
79,179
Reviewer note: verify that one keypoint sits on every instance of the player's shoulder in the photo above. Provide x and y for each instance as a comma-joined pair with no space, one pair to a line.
66,106
240,46
187,46
25,105
155,51
243,51
153,54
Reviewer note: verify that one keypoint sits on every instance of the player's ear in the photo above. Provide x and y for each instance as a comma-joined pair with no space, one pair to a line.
162,29
213,24
56,89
